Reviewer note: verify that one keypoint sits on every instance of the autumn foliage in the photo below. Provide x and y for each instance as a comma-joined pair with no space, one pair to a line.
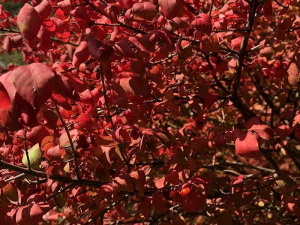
151,112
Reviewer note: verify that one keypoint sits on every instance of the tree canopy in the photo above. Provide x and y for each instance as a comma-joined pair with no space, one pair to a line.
150,112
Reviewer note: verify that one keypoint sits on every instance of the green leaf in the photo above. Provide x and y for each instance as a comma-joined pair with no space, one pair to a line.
35,155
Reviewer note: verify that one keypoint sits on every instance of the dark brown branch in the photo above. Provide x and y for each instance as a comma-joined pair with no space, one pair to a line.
26,149
243,49
59,191
238,164
270,159
120,23
261,92
41,174
66,43
156,220
107,24
278,3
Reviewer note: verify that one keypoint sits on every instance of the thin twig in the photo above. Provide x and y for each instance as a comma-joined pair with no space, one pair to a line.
44,175
58,192
110,117
70,140
102,213
243,50
26,149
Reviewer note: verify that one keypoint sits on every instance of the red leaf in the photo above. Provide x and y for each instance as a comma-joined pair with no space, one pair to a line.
81,53
144,10
210,44
99,50
44,9
34,83
36,213
264,132
253,121
173,177
7,44
99,32
160,183
124,183
9,117
246,145
26,111
5,101
191,202
199,144
37,134
84,121
44,35
145,207
138,66
63,87
53,154
135,85
160,203
65,5
171,8
203,23
291,204
29,23
236,43
123,48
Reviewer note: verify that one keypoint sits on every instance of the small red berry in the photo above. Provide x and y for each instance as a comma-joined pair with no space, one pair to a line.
185,191
277,64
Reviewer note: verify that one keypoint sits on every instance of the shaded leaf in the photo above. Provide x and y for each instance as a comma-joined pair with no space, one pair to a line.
160,203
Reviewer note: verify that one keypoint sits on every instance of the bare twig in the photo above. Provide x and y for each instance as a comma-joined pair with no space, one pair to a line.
110,117
243,49
44,175
26,149
59,191
70,140
102,213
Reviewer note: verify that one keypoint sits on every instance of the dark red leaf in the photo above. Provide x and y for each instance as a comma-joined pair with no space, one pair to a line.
160,203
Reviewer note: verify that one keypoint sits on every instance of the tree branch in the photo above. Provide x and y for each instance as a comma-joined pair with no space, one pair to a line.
243,49
26,149
41,174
